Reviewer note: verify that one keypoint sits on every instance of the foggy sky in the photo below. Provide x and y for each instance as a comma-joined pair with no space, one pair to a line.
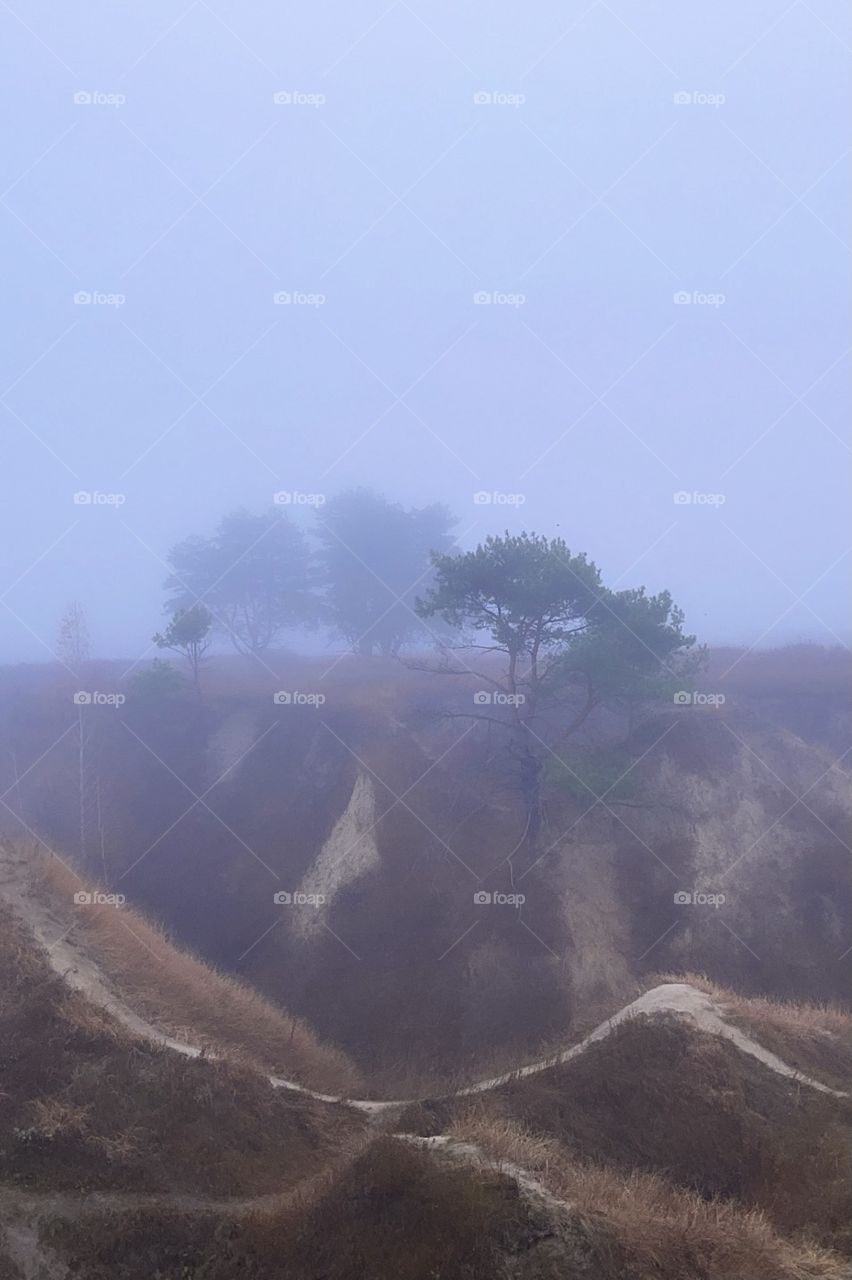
397,198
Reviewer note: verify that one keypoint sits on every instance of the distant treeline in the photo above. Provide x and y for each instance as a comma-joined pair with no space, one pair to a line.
359,572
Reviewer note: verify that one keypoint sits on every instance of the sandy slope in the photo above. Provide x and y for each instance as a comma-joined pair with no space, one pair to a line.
349,853
21,1211
81,972
669,997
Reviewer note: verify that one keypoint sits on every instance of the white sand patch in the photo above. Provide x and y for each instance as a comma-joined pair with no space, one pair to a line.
669,997
81,972
348,853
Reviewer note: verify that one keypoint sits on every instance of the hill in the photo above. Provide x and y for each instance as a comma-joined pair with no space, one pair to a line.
708,839
668,1143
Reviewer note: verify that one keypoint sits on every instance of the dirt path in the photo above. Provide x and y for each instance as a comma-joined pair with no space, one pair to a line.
20,1245
469,1153
19,1204
21,1211
83,1204
669,997
84,974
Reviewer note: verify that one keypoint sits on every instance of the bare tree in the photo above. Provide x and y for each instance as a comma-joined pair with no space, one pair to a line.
73,645
73,650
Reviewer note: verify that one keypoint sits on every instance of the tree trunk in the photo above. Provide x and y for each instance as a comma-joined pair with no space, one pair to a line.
81,781
529,767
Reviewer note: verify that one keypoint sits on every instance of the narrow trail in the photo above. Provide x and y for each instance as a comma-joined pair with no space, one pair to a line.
85,1204
19,1236
470,1153
669,997
83,973
22,1210
28,1203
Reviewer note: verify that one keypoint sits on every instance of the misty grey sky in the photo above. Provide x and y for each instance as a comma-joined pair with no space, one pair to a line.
385,188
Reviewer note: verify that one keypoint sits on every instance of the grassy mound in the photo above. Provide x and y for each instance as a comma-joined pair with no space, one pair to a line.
184,996
85,1105
659,1096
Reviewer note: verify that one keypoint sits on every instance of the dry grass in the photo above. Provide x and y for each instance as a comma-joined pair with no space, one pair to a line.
665,1230
186,997
410,1076
660,1097
86,1105
397,1212
785,667
391,1213
787,670
815,1039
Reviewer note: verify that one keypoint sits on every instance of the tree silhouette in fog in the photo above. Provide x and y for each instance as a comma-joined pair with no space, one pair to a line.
253,575
375,559
565,644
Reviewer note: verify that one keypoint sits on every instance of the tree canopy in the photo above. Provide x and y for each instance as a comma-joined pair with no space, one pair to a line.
253,574
375,556
188,633
566,644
